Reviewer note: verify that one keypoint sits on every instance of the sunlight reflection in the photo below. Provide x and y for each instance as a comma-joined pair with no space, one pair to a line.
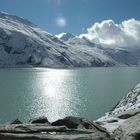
50,91
53,82
56,96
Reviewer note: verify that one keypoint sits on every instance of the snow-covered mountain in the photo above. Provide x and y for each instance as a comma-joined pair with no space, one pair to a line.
65,36
122,56
75,40
24,44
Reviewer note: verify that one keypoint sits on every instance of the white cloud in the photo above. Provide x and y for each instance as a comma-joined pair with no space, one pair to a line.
107,32
60,22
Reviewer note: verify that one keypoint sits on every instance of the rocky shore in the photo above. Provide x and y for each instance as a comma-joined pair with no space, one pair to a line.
124,120
69,128
122,123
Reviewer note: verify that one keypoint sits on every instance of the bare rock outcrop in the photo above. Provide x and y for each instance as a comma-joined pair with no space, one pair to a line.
69,128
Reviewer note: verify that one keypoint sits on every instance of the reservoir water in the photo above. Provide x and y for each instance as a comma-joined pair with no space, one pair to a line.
56,93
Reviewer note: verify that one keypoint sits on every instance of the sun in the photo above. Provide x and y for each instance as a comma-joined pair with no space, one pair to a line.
60,22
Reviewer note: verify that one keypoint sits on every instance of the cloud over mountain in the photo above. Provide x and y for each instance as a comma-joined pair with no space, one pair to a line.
108,32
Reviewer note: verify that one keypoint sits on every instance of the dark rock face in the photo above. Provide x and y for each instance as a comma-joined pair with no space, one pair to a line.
76,122
125,116
39,120
112,121
70,122
128,114
137,136
69,128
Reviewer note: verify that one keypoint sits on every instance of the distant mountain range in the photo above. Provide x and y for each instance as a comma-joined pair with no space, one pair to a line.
23,44
120,56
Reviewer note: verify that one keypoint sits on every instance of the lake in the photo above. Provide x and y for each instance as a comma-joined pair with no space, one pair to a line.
56,93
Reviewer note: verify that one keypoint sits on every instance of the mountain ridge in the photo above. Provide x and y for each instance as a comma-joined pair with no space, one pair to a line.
24,44
123,56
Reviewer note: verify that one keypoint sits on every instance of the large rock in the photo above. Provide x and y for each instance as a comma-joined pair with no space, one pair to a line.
73,122
40,120
79,129
76,122
129,129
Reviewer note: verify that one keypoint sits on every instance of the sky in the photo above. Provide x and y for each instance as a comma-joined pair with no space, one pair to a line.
74,16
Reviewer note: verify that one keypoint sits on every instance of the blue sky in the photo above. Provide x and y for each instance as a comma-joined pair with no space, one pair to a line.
73,16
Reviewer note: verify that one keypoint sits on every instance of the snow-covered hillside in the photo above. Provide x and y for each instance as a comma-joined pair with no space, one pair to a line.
128,56
24,44
75,40
130,101
125,113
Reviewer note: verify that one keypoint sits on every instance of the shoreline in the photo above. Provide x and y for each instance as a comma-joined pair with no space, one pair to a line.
69,128
122,123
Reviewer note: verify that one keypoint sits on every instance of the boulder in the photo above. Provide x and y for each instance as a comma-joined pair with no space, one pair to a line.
70,122
39,120
77,122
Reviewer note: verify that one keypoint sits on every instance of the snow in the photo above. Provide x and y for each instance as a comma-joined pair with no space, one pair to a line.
110,122
119,56
23,43
130,104
112,126
130,101
65,36
60,35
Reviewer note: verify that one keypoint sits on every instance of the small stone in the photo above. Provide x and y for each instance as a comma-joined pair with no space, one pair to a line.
17,121
112,121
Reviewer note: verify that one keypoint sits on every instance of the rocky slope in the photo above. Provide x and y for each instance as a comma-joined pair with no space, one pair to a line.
124,120
24,44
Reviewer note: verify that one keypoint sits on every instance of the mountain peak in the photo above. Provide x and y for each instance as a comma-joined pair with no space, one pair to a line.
65,36
10,17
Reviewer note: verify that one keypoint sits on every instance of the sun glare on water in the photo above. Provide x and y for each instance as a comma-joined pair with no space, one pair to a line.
55,99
